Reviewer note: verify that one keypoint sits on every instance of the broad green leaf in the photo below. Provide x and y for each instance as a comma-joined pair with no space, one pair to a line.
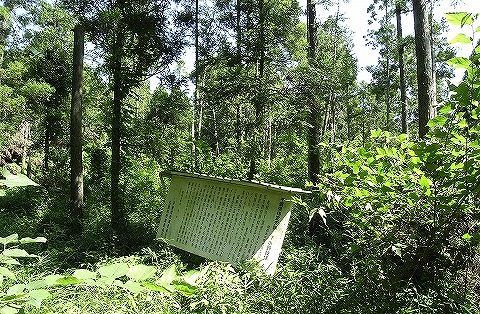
113,271
7,273
37,296
84,274
467,237
446,109
460,62
478,29
437,121
51,280
159,288
375,133
9,310
141,272
36,284
30,240
104,281
460,38
8,260
192,276
403,137
425,183
12,180
459,18
133,286
16,289
68,280
17,253
184,287
13,238
169,274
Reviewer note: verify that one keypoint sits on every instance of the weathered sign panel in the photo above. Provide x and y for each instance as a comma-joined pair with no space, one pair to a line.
225,219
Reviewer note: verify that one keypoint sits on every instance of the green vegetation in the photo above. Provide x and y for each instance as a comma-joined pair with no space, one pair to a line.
393,221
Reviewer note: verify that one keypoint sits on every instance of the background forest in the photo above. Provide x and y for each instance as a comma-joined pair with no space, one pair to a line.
392,225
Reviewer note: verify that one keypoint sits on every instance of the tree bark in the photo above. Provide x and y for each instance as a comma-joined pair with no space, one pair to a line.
76,168
46,147
387,54
197,92
117,215
401,66
426,91
259,99
314,128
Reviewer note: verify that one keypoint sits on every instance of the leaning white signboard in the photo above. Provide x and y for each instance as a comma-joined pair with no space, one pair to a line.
226,219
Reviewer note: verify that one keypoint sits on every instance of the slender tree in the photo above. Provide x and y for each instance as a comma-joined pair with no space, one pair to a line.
401,65
314,127
76,168
426,84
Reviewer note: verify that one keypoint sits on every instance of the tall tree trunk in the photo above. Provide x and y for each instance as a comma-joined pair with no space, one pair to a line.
76,168
117,218
314,128
25,138
197,92
331,94
215,132
239,32
387,91
47,139
423,51
3,41
433,112
238,122
259,99
401,66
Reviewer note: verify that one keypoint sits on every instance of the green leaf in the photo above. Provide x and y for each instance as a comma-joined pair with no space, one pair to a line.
68,280
8,260
159,288
13,238
169,274
141,272
84,274
16,289
437,121
9,310
192,276
446,109
460,38
7,273
133,286
375,133
30,240
12,180
36,284
51,280
17,253
425,184
113,271
467,237
37,296
403,137
184,287
459,18
460,62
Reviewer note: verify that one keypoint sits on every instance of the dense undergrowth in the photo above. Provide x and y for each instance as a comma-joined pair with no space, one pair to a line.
392,228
